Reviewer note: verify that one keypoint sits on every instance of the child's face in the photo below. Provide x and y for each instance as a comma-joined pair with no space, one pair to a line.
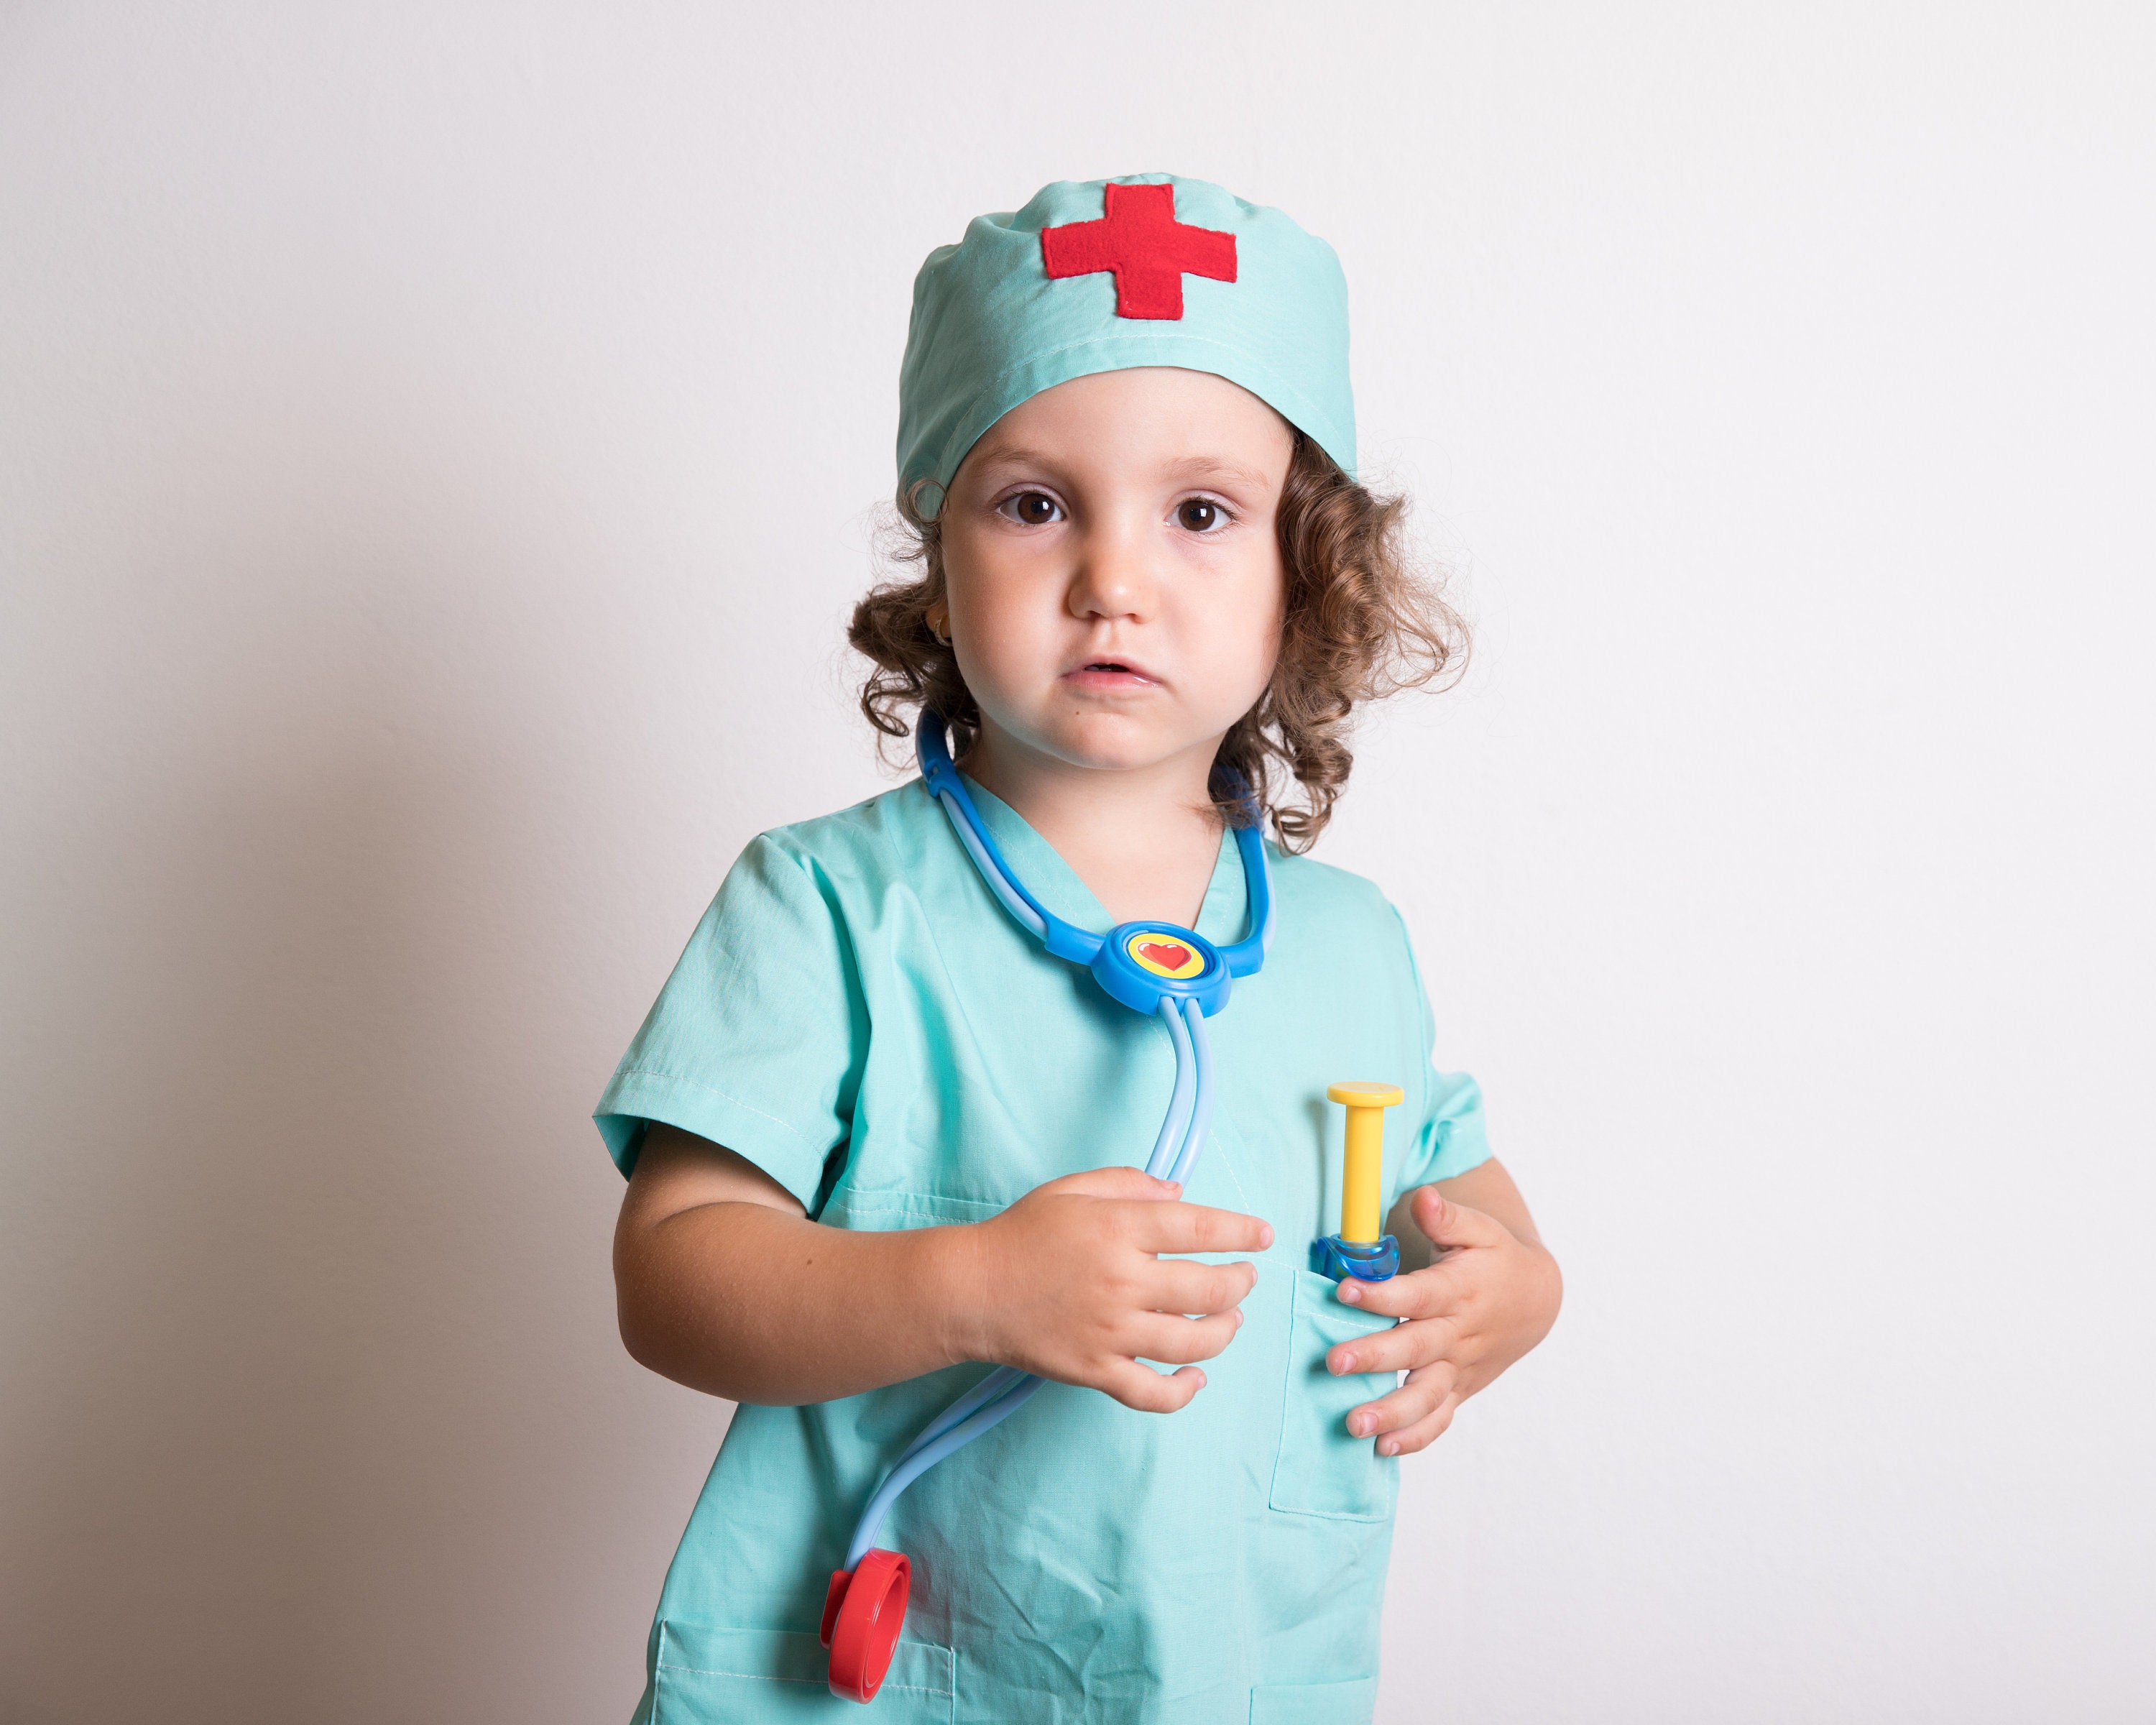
1114,580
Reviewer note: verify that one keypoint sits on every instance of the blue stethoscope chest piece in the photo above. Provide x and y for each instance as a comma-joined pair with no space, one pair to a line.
1143,963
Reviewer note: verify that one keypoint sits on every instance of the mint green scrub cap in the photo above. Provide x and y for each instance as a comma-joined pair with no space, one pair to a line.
1102,275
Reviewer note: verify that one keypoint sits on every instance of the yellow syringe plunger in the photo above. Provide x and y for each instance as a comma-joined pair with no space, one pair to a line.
1362,1174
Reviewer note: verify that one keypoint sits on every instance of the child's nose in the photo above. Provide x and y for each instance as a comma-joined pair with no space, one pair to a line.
1113,578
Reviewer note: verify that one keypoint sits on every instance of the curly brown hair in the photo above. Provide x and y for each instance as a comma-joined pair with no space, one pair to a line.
1359,623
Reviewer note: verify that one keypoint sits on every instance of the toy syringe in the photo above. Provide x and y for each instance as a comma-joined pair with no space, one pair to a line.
1361,1248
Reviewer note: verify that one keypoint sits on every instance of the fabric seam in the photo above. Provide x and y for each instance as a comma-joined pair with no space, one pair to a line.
713,1670
793,1131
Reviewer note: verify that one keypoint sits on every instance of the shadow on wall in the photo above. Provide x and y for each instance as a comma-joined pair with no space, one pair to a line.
321,1421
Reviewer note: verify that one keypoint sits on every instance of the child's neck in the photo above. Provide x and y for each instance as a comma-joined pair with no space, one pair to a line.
1143,839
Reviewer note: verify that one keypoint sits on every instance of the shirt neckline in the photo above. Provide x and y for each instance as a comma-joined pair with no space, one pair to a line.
1057,885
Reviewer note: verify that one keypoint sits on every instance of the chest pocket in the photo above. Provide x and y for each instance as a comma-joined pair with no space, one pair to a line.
1321,1470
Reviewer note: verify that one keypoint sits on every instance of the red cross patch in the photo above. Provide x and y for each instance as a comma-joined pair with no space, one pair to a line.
1138,239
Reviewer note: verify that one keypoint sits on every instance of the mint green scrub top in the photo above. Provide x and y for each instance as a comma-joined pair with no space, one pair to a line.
858,1017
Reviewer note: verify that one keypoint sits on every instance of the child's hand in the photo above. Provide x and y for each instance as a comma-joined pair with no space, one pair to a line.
1488,1299
1068,1283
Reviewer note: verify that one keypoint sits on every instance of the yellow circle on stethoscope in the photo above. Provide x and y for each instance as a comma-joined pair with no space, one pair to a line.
1164,955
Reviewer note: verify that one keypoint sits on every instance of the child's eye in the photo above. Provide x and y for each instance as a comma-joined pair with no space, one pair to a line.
1031,509
1200,515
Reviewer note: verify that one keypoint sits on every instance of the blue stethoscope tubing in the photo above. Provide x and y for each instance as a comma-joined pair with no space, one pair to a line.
1183,1130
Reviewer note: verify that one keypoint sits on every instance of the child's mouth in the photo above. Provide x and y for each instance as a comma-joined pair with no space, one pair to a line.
1108,673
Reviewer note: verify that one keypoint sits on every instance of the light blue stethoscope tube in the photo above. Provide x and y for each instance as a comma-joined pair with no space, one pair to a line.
1006,1389
1201,1118
923,1457
991,871
1175,1127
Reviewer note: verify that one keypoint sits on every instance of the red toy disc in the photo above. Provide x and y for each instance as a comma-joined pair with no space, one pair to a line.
862,1611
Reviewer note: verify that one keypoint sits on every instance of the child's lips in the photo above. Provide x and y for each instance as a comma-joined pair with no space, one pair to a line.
1109,674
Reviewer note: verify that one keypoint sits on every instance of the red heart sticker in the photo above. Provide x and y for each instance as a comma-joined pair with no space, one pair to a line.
1169,955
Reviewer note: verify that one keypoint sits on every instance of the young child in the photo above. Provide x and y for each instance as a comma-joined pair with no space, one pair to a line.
878,1141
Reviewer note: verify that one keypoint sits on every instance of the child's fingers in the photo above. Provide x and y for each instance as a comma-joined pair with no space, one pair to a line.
1425,1432
1402,1348
1176,1341
1419,1293
1448,1223
1124,1182
1177,1285
1149,1391
1414,1401
1197,1228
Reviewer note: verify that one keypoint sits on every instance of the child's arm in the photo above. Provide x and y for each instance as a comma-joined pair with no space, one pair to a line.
1490,1294
723,1284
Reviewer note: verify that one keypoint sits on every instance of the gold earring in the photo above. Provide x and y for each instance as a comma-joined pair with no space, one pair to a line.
936,628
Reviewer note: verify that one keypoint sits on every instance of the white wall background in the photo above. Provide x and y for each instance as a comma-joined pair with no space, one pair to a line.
437,445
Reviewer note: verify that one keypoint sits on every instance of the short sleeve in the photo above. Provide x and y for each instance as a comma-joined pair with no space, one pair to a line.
757,1039
1451,1135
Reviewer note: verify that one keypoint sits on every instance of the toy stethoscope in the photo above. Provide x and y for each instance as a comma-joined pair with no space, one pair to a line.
1158,968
